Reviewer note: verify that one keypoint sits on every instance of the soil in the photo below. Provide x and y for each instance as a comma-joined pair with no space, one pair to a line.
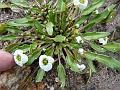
104,79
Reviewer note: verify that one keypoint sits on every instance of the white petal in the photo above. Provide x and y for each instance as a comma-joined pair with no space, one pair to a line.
50,59
24,58
78,39
19,63
76,2
81,67
103,40
81,51
96,12
83,5
49,64
44,49
77,25
47,67
18,52
42,57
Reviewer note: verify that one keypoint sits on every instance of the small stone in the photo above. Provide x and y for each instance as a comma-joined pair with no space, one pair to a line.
57,79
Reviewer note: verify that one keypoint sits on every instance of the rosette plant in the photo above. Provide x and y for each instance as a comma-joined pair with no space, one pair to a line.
60,33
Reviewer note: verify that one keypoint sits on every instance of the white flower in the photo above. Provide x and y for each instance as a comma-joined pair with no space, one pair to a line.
96,12
76,2
45,62
103,40
77,25
79,39
20,58
81,67
81,51
81,3
44,49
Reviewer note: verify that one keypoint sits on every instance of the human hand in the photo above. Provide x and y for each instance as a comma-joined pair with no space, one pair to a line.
6,61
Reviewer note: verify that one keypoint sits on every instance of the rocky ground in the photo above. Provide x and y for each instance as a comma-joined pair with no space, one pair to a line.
105,79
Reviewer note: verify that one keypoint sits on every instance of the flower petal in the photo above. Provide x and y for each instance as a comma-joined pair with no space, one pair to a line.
76,2
81,67
83,5
47,67
81,51
78,39
18,52
19,63
50,59
42,57
103,40
24,58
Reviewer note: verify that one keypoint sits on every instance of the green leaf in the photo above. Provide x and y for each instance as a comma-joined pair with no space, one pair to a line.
40,75
49,28
106,60
61,5
63,21
71,63
81,20
38,26
61,74
49,51
2,28
24,47
34,56
22,3
74,45
12,47
97,47
51,16
59,38
95,35
3,5
114,47
93,7
91,65
13,30
8,37
33,46
20,22
111,16
100,17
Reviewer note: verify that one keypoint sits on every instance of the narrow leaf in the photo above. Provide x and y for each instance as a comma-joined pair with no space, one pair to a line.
92,7
61,74
8,37
97,47
106,60
2,28
49,28
71,63
59,38
95,35
100,17
3,5
12,47
40,75
91,65
34,56
22,3
114,47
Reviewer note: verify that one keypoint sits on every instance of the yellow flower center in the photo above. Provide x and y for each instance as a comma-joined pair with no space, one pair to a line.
18,57
45,61
82,1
